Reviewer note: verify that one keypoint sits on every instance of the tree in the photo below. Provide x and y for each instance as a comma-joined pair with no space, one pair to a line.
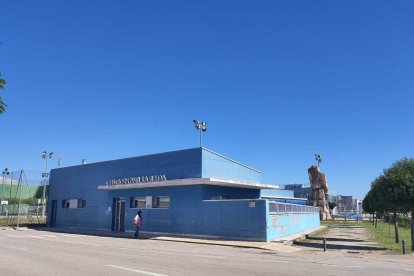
396,190
331,205
368,204
2,104
400,189
374,203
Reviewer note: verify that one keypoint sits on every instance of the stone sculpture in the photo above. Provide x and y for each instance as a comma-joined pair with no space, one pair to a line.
319,185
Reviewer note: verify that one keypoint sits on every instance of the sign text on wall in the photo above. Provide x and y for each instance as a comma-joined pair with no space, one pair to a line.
133,180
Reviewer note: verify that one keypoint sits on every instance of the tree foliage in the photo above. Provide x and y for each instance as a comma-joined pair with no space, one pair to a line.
393,192
331,205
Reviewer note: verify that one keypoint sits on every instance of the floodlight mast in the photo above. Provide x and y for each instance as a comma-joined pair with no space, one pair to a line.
45,155
201,127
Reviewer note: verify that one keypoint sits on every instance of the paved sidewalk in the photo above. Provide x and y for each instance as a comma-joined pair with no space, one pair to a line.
344,238
281,245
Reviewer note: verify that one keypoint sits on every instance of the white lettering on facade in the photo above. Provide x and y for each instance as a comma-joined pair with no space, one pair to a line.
134,180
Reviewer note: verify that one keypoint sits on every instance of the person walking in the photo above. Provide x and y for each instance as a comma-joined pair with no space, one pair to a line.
137,223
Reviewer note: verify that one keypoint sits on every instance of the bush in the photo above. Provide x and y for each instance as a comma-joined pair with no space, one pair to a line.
403,221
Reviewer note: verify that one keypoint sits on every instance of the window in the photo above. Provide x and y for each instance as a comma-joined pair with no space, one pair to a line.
138,202
81,203
160,202
73,203
65,203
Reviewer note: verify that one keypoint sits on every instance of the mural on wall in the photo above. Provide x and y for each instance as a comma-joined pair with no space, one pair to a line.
319,184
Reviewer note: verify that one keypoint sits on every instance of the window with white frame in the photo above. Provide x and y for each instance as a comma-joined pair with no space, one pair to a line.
160,202
73,203
138,202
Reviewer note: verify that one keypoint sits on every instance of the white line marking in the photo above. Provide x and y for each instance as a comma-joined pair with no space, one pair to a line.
18,248
136,270
409,269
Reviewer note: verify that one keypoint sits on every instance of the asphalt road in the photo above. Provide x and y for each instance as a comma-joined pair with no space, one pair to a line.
43,253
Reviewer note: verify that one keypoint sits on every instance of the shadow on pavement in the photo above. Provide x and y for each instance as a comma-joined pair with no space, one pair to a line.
335,239
345,226
92,232
123,234
339,246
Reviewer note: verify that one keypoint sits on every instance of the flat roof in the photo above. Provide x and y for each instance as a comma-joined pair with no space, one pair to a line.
188,182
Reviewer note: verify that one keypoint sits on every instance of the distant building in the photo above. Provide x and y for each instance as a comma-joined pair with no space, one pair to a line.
345,204
301,191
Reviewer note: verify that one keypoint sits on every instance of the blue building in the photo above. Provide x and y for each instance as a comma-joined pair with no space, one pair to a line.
191,192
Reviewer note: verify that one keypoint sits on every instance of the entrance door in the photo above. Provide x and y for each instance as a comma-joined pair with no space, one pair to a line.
53,214
119,213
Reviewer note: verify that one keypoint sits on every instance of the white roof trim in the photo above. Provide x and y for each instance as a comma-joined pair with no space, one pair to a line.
188,182
283,197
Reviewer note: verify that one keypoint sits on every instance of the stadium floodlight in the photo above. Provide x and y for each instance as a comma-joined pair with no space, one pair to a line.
318,158
202,127
45,155
6,171
196,124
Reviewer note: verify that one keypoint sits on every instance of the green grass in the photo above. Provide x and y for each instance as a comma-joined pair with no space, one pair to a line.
384,235
339,222
23,221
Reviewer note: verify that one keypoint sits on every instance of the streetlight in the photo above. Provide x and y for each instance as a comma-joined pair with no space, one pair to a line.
4,173
201,126
318,158
45,155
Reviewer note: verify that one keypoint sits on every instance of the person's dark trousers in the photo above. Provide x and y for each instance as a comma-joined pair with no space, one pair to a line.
136,231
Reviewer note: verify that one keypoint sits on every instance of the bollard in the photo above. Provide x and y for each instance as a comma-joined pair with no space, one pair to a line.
324,244
403,246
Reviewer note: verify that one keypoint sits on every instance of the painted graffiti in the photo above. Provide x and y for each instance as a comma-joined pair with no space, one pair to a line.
293,221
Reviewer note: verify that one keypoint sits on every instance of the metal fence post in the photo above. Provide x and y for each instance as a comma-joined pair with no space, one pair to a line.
403,246
324,244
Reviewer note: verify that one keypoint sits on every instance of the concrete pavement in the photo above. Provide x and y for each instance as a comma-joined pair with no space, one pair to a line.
281,245
34,252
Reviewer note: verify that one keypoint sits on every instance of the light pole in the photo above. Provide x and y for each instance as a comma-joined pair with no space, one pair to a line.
318,158
202,127
45,155
5,172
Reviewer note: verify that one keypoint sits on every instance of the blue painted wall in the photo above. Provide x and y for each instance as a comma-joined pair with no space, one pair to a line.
279,226
276,192
189,213
217,166
191,209
235,219
209,191
292,201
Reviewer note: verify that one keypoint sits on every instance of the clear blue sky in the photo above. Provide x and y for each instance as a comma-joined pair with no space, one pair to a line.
277,81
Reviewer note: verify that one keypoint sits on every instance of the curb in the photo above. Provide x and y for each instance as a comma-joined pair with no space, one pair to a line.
303,236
